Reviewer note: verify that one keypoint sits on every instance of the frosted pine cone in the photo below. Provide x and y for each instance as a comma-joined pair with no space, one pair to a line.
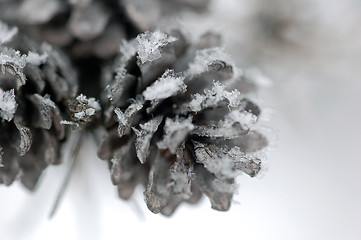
178,121
35,82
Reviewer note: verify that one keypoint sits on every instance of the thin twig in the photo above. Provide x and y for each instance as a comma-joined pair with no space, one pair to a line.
74,151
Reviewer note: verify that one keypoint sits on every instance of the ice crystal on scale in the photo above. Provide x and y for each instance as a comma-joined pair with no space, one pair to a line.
35,82
180,128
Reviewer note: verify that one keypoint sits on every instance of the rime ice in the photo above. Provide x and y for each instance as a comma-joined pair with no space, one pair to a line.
150,44
84,111
167,85
8,104
144,136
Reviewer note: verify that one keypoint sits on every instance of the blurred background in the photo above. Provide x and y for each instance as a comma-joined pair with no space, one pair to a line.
311,52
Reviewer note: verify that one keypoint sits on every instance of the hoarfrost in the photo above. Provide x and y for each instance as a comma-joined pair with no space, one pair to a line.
235,124
176,132
8,104
214,160
149,44
128,49
125,118
205,58
144,136
84,109
224,163
120,73
48,102
246,119
212,97
36,59
92,103
6,33
11,56
248,163
169,84
65,122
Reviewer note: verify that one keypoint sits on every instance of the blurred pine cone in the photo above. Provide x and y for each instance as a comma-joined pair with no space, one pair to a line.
35,82
178,121
90,31
90,27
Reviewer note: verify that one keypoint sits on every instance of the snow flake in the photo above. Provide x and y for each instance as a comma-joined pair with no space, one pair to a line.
169,84
144,136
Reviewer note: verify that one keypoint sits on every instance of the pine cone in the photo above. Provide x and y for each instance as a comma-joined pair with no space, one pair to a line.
90,27
178,121
147,14
35,82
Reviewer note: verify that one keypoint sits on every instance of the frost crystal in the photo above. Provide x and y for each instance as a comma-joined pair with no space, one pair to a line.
8,104
214,161
206,59
212,97
125,118
167,85
6,33
11,56
235,124
65,122
36,59
225,163
175,133
150,43
128,49
83,110
34,90
144,137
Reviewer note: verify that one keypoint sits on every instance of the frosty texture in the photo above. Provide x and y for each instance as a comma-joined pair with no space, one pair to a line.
35,82
176,123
